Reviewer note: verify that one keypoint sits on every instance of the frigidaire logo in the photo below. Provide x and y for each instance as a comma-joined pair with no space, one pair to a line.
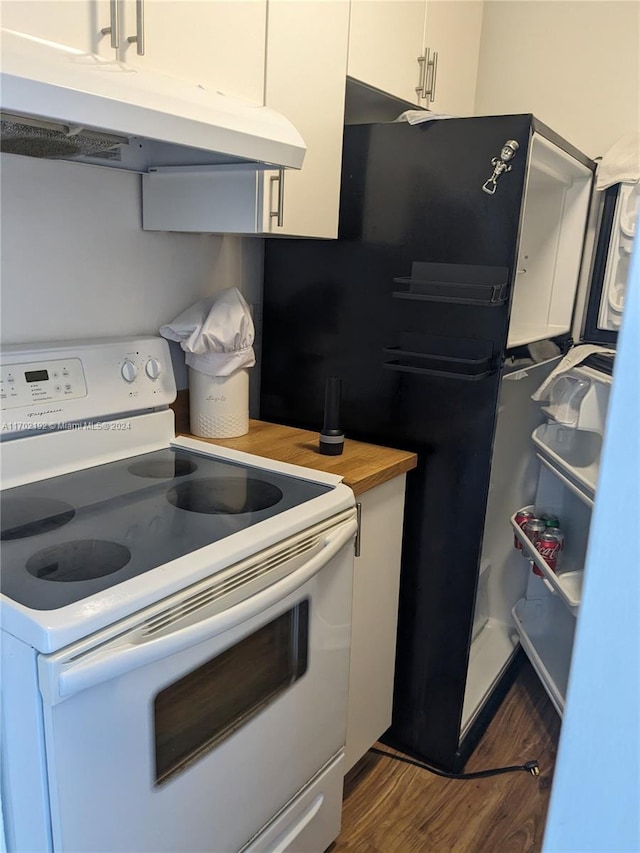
220,399
42,412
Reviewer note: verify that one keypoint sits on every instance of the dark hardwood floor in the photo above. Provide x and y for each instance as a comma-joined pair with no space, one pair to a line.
392,807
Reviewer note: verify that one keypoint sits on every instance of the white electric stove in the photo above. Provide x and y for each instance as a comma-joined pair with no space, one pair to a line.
175,620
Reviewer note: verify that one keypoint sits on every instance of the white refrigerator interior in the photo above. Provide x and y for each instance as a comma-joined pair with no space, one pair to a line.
539,465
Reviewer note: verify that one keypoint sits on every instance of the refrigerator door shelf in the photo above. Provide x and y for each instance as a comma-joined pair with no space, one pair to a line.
546,632
411,364
467,284
575,452
567,584
490,295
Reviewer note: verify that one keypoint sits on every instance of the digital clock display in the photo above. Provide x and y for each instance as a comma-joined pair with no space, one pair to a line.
36,375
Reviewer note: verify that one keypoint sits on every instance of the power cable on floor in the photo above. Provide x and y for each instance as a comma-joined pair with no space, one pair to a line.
531,767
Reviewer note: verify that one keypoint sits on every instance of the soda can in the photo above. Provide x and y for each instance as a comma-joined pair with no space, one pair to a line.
534,528
550,520
549,545
521,518
560,536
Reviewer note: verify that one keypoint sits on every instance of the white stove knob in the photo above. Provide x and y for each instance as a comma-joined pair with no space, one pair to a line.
153,368
129,371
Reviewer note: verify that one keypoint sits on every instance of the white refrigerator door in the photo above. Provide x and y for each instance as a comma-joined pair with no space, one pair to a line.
618,259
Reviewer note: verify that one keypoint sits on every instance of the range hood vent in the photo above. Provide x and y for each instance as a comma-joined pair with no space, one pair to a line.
46,139
60,103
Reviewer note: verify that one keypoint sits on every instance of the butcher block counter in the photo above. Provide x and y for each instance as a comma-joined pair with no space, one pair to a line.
377,476
363,466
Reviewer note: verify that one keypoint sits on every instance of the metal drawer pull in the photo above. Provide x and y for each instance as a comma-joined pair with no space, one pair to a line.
139,36
278,213
114,29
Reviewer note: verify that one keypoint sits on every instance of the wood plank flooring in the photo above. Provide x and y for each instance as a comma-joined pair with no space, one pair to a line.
390,807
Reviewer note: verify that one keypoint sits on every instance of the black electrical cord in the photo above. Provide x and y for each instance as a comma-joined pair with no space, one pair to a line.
530,767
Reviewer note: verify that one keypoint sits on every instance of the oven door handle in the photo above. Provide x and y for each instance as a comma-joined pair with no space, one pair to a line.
60,678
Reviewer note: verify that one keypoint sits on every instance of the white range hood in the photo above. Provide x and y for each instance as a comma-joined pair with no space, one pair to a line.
59,102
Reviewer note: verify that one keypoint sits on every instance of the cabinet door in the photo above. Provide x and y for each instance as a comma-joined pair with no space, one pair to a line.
220,44
77,23
305,81
453,30
385,41
374,618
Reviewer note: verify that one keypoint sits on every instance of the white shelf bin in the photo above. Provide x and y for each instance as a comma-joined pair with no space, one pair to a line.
546,632
576,453
567,584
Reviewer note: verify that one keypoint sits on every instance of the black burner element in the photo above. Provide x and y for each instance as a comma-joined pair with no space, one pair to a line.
22,517
163,469
81,560
227,495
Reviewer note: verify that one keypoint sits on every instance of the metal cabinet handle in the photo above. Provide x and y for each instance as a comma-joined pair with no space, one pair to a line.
114,29
426,87
139,36
278,213
423,61
434,77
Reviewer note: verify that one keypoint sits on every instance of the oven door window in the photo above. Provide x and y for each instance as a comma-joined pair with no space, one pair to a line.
197,712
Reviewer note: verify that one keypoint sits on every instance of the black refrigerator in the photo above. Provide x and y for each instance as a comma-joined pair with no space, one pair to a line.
458,259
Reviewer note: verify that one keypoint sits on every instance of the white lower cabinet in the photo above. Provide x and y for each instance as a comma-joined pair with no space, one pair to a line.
376,584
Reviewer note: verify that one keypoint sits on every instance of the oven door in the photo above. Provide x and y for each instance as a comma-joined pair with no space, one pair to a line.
193,727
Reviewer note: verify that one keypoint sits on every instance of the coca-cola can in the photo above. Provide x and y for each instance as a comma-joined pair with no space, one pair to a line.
549,545
534,528
521,518
560,536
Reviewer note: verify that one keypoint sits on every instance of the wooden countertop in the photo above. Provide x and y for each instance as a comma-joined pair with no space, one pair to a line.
363,466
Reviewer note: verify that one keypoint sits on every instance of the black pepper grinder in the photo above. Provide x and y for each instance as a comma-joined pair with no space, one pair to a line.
331,436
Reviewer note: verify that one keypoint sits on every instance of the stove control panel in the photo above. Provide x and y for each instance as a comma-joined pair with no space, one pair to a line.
46,386
41,382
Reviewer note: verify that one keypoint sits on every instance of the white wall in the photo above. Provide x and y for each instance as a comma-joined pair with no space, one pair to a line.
573,63
75,262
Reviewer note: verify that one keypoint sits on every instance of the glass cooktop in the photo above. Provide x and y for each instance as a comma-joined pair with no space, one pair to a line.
69,537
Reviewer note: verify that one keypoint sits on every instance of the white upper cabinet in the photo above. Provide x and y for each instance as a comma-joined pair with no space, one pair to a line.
218,44
423,51
385,41
305,81
306,69
452,31
77,23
